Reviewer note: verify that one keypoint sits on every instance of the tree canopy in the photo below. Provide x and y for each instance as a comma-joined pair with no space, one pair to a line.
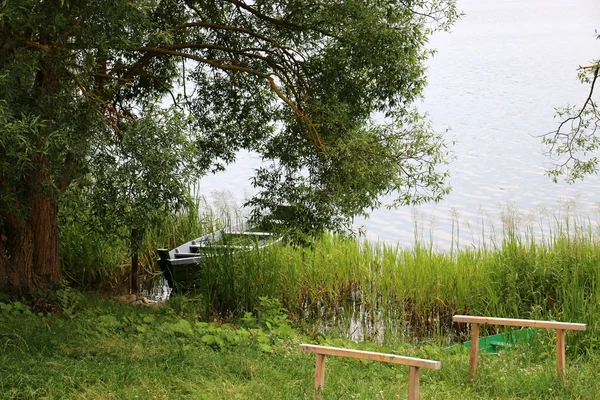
297,81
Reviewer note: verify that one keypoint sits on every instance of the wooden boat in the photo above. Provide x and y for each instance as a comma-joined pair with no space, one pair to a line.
182,266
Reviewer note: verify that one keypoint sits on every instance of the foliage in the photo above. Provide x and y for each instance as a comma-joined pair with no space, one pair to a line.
16,148
138,177
270,313
10,312
94,257
84,89
572,145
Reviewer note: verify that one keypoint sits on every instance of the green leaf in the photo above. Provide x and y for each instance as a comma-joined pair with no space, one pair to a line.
262,338
108,321
266,348
208,339
286,331
182,327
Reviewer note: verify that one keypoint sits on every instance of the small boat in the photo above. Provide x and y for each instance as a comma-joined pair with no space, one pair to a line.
182,266
494,344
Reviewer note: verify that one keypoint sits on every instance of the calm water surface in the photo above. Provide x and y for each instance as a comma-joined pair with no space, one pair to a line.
494,84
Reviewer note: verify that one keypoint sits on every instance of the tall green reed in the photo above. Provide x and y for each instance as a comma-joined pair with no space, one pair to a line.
93,258
413,292
354,285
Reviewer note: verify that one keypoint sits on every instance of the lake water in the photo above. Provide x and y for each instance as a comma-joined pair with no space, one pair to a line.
494,83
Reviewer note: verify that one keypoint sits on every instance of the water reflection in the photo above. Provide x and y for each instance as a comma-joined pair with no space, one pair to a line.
154,287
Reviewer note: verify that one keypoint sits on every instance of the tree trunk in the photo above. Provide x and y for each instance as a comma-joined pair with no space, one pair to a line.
46,261
16,256
29,259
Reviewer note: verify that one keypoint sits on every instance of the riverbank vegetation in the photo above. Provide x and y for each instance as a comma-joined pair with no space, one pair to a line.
146,97
237,336
380,292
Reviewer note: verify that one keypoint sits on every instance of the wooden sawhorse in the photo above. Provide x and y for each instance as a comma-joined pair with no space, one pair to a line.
414,365
560,327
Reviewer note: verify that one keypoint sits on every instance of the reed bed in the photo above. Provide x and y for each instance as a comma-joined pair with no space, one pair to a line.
377,291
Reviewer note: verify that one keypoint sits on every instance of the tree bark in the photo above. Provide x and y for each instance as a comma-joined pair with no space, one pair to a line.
16,256
46,261
29,258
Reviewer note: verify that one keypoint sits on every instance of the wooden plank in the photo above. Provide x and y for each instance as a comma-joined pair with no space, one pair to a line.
560,351
520,322
251,233
369,355
319,376
219,246
184,261
413,383
473,355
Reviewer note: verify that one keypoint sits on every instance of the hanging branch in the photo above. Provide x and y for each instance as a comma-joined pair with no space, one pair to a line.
576,136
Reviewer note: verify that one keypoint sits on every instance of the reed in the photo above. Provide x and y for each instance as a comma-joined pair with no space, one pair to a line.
378,291
93,258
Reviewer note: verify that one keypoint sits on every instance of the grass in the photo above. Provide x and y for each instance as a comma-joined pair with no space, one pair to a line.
93,258
107,350
384,297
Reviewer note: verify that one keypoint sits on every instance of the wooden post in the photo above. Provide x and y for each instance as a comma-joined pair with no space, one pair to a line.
319,376
474,351
413,383
560,351
136,238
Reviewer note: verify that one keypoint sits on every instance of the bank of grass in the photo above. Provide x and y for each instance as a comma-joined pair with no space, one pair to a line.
106,350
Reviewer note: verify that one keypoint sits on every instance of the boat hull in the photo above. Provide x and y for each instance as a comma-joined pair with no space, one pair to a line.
184,266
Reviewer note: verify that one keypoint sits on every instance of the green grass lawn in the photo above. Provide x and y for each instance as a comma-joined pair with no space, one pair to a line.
106,350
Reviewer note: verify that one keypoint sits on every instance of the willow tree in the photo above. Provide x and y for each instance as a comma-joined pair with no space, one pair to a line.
297,81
